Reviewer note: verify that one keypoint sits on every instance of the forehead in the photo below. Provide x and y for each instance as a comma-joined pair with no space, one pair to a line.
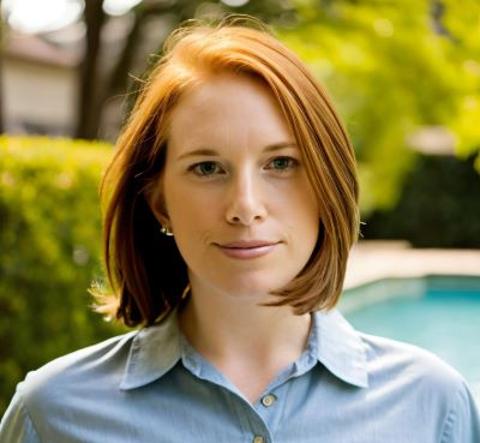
228,109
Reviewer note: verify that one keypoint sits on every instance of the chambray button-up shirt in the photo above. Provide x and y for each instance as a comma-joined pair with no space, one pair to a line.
151,386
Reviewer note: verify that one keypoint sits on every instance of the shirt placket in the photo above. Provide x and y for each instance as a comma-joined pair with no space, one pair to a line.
261,420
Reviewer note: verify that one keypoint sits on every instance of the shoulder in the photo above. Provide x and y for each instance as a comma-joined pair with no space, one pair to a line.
392,359
421,381
47,400
92,368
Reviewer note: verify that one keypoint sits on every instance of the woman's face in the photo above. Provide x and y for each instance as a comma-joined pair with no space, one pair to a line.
239,204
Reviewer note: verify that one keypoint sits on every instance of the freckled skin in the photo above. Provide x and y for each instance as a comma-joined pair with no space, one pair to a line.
242,192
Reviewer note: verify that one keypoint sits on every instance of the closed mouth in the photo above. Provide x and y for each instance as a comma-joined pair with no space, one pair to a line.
247,244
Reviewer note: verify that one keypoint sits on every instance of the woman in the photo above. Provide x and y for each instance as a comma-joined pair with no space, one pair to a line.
232,206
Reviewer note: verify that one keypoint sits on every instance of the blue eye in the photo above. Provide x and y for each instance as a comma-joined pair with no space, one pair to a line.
204,168
284,163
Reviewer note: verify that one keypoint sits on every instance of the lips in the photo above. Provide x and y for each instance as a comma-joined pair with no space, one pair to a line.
247,249
247,244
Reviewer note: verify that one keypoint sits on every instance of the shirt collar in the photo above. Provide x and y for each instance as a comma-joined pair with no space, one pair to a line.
332,341
340,348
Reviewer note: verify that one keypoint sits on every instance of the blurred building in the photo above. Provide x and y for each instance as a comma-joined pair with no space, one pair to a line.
39,85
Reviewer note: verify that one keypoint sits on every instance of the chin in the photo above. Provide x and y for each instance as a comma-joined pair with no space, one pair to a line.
250,287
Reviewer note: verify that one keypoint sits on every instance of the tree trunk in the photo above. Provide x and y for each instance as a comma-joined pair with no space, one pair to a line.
117,81
88,107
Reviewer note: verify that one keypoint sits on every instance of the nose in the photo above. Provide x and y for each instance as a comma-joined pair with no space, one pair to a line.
245,201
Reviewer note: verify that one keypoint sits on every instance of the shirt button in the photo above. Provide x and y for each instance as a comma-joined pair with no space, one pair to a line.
258,439
268,400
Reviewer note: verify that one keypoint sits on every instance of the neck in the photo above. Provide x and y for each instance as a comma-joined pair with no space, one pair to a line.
230,332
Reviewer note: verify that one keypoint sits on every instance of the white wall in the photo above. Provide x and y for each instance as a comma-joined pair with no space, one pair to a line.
40,95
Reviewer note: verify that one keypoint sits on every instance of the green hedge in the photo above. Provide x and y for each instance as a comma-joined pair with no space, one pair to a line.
439,206
50,240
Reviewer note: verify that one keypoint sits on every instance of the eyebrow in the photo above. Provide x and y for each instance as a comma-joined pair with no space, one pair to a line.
207,151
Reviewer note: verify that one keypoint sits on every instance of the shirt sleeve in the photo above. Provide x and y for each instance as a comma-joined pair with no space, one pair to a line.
16,425
463,421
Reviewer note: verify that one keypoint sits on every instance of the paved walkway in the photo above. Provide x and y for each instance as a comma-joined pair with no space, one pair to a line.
372,260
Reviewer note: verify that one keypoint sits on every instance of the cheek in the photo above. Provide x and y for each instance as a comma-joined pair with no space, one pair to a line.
300,205
192,214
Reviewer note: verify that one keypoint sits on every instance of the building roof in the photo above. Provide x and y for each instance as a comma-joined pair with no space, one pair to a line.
33,47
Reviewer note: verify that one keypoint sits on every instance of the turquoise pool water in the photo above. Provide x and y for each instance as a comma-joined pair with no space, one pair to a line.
441,314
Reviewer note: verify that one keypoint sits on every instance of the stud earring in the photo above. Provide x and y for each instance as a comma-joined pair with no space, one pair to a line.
164,230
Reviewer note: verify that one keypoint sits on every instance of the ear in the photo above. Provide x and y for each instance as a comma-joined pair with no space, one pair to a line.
156,202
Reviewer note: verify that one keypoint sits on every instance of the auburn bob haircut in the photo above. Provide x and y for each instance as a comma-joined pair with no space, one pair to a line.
146,273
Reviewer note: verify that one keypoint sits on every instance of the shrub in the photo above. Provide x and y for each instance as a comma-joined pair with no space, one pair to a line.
439,206
50,232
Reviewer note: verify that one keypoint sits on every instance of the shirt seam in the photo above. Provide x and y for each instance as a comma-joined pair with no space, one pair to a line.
449,422
25,410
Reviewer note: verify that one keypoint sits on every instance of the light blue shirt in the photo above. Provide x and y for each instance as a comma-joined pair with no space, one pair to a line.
151,386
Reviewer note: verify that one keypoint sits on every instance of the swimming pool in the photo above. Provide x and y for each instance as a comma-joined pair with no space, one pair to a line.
439,313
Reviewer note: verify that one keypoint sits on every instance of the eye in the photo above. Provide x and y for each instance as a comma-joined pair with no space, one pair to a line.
283,163
204,169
